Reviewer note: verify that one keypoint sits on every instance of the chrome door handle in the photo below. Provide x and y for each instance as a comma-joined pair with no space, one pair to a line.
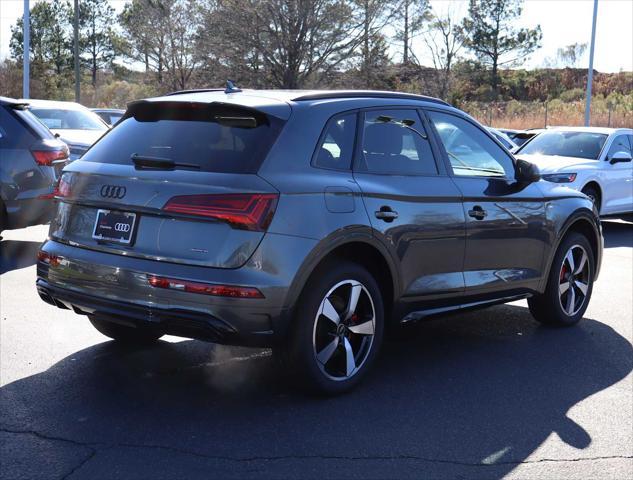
386,214
477,212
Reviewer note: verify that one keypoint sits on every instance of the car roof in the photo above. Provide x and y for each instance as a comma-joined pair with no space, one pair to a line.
108,110
12,102
54,104
279,102
602,130
305,95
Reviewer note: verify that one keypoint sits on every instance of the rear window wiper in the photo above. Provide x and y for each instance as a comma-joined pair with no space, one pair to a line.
159,163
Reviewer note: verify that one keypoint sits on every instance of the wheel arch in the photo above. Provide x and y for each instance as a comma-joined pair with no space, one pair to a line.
592,183
581,222
358,247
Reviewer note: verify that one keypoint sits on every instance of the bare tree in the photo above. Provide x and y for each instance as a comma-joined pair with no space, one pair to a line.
293,39
570,55
444,40
143,40
181,27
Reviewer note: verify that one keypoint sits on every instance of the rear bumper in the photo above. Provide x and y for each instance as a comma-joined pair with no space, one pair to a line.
92,282
171,321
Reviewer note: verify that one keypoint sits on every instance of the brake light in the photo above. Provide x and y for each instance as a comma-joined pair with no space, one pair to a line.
48,157
241,210
52,260
62,189
204,288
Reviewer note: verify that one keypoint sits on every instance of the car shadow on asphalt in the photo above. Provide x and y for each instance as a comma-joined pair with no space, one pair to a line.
617,234
16,254
469,395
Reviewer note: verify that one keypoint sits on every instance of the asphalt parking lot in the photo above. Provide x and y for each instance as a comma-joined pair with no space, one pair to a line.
489,394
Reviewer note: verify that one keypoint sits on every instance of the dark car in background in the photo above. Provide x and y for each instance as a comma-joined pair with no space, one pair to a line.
109,115
520,137
73,123
31,159
309,221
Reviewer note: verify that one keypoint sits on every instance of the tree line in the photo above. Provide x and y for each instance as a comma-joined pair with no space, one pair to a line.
156,46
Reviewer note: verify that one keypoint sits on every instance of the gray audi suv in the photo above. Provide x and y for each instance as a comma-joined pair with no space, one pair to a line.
309,222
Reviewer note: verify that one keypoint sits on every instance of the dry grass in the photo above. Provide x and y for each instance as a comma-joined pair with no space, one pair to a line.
522,116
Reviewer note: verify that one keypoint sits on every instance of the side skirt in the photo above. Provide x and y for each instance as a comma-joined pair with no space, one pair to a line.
431,312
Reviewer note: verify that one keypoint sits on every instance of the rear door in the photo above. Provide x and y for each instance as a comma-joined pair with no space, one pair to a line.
414,207
505,221
174,182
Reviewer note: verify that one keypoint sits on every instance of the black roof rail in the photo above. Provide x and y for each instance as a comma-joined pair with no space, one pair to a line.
195,90
324,95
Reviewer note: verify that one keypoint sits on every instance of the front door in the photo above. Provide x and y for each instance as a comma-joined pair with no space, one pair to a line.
505,220
413,205
617,195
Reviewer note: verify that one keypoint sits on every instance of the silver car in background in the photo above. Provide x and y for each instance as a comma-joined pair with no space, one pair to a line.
73,123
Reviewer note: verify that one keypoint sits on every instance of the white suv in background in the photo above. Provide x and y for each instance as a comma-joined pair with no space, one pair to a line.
596,161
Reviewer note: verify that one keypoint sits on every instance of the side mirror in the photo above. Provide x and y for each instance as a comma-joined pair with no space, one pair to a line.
526,172
620,157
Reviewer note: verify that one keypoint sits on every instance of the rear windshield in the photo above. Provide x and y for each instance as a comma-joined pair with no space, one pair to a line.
214,138
33,123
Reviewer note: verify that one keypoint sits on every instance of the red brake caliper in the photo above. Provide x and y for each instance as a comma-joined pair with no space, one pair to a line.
563,271
354,318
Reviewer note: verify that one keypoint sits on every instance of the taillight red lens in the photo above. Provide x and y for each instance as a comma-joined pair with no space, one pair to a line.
52,260
62,189
246,211
47,157
204,288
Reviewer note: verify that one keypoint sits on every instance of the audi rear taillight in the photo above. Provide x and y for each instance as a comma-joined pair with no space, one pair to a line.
215,290
60,190
47,158
241,210
45,257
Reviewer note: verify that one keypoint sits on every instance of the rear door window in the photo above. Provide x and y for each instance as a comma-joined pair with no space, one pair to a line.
395,143
336,147
208,137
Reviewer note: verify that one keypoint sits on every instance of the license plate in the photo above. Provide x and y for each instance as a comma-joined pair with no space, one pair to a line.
114,226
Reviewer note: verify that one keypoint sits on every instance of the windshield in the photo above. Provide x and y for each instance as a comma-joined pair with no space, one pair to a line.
566,144
57,118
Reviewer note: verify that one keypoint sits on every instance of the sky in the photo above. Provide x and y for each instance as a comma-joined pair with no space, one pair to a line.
563,22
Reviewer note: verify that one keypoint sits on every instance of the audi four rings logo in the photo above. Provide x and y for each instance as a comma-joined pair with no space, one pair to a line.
122,227
113,191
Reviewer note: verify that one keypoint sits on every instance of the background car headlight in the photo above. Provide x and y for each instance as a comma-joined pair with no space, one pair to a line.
559,177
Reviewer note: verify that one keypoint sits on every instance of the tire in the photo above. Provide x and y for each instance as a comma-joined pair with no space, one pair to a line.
593,193
319,350
569,284
123,333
